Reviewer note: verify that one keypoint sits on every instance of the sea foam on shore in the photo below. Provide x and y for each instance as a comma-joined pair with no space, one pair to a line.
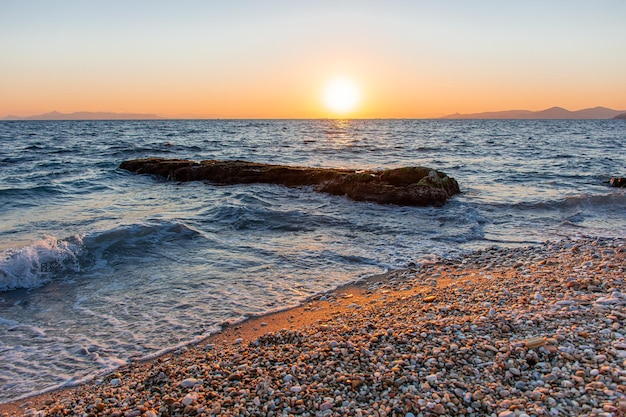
503,332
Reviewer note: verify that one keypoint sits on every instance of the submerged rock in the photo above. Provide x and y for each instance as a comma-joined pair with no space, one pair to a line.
408,186
619,182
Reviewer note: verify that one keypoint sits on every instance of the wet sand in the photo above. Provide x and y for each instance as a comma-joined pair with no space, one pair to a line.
505,332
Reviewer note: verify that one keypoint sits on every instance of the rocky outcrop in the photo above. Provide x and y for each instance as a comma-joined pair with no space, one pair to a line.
619,182
409,186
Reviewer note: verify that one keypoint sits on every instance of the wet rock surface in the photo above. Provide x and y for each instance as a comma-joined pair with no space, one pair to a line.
408,186
619,182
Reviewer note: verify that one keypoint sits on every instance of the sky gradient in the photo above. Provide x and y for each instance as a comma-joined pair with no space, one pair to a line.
273,59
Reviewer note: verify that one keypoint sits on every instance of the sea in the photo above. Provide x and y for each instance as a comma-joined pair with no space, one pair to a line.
100,267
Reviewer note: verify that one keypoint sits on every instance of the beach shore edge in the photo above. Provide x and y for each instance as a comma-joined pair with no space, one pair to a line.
504,330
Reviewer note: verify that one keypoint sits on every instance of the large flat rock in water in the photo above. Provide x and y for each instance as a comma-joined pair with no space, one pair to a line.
408,186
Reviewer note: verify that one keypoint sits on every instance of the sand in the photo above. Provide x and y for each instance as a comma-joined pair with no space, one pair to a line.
502,332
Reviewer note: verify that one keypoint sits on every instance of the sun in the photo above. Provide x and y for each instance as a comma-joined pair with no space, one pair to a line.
342,96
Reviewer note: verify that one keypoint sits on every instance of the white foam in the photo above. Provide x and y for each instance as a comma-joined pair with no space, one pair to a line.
33,266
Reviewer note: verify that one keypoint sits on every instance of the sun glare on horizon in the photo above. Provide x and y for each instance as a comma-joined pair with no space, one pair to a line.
342,96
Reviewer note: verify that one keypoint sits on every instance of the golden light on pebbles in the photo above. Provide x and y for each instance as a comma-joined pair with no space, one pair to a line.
357,364
429,299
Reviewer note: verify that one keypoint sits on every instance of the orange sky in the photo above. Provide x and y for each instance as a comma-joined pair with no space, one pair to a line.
273,59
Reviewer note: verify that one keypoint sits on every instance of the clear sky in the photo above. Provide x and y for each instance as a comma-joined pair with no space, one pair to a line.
274,59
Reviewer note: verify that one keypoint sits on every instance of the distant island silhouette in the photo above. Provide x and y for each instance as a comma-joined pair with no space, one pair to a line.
551,113
83,115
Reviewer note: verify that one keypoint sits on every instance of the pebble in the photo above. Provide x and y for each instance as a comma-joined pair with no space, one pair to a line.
325,406
190,398
473,348
431,378
189,382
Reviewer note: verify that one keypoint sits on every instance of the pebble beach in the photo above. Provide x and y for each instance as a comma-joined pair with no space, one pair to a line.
532,331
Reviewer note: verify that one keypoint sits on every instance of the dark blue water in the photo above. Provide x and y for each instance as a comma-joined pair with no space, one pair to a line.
99,266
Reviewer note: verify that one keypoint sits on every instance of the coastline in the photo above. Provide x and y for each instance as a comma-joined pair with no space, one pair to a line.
532,331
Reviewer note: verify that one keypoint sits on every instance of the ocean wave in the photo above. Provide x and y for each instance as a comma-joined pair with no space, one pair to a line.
29,193
255,218
39,263
615,199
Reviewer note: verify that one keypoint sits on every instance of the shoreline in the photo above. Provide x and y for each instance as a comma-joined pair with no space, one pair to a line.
479,335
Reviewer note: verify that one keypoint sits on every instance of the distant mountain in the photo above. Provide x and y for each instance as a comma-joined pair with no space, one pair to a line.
620,116
551,113
55,115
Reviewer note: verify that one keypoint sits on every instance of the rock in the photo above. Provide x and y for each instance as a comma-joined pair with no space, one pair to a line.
619,182
325,406
535,342
408,186
189,382
190,398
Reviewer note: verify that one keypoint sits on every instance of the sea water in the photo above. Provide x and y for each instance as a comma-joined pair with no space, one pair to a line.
100,267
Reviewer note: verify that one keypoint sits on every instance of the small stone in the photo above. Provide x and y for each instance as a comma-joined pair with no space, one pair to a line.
295,389
238,341
520,385
507,413
189,382
190,398
429,299
534,342
478,395
620,345
325,406
115,382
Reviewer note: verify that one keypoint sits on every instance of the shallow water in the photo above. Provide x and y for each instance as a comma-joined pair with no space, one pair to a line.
99,266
